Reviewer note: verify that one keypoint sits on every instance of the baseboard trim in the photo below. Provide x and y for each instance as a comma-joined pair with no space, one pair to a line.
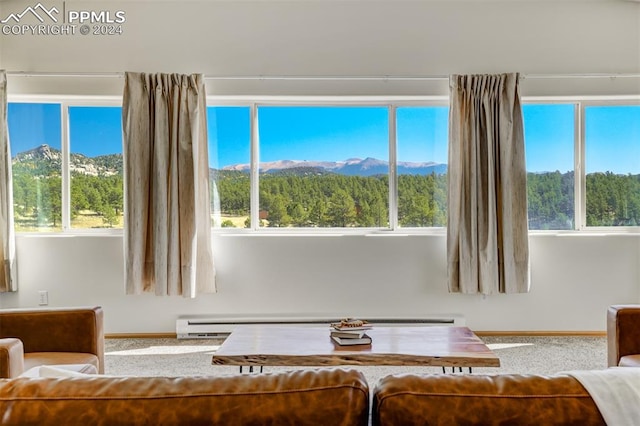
479,333
140,336
542,333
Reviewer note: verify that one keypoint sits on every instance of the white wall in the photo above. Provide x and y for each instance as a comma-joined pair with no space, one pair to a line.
574,277
341,37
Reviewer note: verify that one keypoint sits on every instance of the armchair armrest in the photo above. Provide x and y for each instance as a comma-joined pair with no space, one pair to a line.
11,358
56,330
623,332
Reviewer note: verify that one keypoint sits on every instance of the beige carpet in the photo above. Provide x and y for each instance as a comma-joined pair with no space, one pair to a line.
525,355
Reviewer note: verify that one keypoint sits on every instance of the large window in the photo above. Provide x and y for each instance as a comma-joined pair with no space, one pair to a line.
310,164
549,146
328,166
66,176
35,131
229,164
95,166
324,166
612,157
422,139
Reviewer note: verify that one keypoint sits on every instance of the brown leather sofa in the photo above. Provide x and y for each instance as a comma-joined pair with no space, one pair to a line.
623,335
52,336
304,397
523,400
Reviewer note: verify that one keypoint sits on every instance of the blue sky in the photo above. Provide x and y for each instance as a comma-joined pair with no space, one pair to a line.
337,133
94,130
548,135
31,125
612,139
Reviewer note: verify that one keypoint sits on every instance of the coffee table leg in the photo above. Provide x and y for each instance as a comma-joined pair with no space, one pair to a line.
251,368
453,370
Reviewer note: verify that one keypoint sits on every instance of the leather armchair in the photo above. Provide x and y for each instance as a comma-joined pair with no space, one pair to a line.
51,336
623,335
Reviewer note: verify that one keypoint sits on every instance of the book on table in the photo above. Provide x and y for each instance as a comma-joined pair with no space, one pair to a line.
350,331
364,340
348,334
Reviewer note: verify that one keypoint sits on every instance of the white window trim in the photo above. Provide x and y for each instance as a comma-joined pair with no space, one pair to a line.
391,102
609,101
65,102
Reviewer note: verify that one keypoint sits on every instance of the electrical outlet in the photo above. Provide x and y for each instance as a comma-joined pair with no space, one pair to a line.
43,297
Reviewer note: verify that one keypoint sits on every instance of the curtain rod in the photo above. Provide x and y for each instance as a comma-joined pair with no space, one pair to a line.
319,77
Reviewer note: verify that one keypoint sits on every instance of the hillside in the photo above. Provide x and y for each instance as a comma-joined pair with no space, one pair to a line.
45,160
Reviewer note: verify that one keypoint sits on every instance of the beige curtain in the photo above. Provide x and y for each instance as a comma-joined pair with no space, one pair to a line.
7,237
167,213
487,231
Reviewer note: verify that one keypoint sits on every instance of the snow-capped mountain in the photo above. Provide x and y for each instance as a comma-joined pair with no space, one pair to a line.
350,167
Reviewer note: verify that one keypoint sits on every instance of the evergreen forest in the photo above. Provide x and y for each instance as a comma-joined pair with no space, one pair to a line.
330,200
312,198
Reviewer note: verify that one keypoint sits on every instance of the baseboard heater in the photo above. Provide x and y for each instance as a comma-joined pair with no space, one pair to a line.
207,327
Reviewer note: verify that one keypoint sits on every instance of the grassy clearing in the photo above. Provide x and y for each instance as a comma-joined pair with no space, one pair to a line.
238,221
85,220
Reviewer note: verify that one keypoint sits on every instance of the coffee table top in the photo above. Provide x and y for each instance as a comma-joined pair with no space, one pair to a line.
282,345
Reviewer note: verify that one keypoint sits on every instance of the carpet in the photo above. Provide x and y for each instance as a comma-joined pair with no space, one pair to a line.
518,355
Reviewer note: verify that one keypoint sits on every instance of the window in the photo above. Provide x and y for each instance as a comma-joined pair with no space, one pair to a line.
422,140
95,166
324,166
549,153
35,136
612,157
229,163
323,163
66,176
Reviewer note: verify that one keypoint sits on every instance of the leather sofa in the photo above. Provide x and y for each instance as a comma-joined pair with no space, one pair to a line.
623,335
523,400
50,336
304,397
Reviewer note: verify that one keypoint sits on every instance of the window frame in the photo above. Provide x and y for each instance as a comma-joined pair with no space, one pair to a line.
577,162
580,176
590,102
391,102
65,102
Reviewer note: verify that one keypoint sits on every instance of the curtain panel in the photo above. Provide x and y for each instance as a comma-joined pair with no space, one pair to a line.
8,280
167,216
487,231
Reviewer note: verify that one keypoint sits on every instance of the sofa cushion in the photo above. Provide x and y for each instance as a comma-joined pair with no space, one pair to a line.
36,359
630,361
479,399
303,397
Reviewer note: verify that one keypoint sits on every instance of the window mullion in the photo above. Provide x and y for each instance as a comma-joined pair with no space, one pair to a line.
580,179
393,182
255,161
65,178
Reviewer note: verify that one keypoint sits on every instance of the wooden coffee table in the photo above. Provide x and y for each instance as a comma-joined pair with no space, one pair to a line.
282,345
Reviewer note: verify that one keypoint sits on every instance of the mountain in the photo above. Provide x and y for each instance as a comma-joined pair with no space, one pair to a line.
350,167
45,160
